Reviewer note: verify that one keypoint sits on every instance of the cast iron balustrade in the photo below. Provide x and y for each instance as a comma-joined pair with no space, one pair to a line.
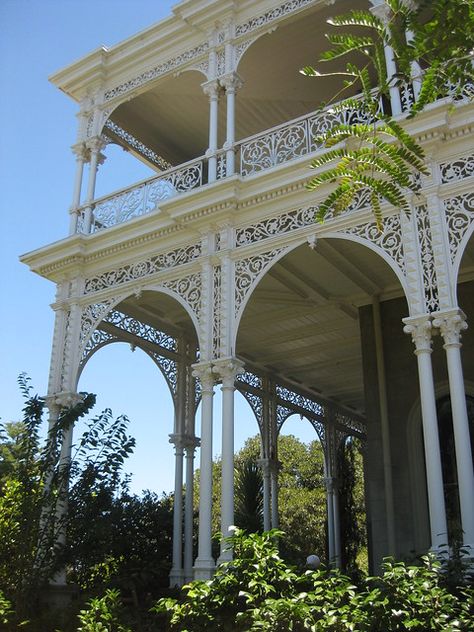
255,154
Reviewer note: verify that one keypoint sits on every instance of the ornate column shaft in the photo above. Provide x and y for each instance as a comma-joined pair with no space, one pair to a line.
265,466
420,329
211,89
227,369
96,158
231,82
382,11
190,446
204,565
451,323
274,467
176,573
81,158
329,484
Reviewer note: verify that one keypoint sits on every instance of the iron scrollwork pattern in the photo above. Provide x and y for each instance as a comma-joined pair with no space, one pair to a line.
459,217
143,268
458,169
430,284
247,270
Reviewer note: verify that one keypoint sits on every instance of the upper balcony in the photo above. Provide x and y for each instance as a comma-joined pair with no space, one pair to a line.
210,92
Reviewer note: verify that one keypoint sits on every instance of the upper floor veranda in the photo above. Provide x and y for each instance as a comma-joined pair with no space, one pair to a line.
210,93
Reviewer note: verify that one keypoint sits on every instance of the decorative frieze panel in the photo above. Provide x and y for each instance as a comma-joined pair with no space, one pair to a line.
351,424
143,269
430,284
141,330
137,145
275,226
250,379
312,408
149,75
270,16
458,169
246,272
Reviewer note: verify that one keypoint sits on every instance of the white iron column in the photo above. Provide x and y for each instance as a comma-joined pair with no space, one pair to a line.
211,89
265,467
96,158
190,446
451,323
64,400
231,82
81,157
420,329
382,11
227,369
176,573
204,564
329,484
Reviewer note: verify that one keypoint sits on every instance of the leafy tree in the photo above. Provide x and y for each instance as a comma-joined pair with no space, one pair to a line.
379,157
248,492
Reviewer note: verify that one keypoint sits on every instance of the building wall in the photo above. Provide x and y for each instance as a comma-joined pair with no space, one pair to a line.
409,488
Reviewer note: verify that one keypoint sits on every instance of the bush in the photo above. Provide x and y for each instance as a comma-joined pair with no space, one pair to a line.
258,591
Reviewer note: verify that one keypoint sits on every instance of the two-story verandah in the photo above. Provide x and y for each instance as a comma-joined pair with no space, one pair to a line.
215,266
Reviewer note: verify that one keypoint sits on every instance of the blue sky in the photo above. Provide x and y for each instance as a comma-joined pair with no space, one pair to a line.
36,180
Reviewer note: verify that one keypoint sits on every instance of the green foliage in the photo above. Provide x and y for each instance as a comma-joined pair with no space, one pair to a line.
248,490
258,591
379,157
103,614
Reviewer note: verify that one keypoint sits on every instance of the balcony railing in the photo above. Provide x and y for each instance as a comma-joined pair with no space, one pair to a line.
255,154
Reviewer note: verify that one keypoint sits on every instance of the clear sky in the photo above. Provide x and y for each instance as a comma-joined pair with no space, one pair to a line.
38,37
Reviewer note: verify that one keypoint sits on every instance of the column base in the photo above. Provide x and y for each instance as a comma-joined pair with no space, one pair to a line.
204,569
225,556
176,578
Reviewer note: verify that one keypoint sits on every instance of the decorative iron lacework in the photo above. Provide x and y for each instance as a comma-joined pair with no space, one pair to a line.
282,414
390,240
247,270
294,139
189,289
275,225
270,16
141,330
197,392
64,359
311,407
144,198
351,424
459,217
138,146
220,63
407,96
256,404
462,167
92,315
157,71
142,269
216,321
250,378
320,430
169,368
430,285
98,339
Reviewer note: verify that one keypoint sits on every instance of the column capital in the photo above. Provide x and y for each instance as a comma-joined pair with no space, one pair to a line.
420,328
64,399
203,372
450,324
228,369
231,82
331,483
211,88
184,441
81,151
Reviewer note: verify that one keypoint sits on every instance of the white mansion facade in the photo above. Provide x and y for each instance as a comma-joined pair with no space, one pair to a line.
216,268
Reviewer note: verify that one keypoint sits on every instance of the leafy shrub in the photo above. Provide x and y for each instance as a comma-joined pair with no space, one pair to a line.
258,591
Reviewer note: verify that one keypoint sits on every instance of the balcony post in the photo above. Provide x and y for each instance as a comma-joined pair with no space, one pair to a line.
81,157
204,564
176,573
211,89
96,158
451,323
231,83
381,10
420,329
